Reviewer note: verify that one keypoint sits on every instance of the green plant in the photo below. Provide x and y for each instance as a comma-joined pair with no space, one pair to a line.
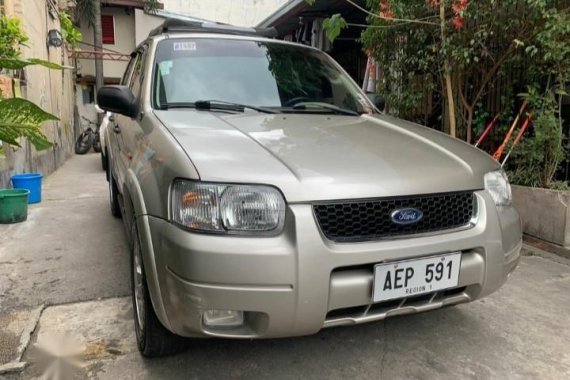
71,34
151,6
455,51
334,26
480,119
22,118
11,37
536,159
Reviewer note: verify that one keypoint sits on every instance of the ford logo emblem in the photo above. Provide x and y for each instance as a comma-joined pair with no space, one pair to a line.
407,216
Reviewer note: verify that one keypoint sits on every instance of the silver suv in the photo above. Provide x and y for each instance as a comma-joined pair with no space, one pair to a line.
266,196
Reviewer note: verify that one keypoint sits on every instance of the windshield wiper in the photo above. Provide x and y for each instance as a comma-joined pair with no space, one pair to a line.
214,105
327,106
221,104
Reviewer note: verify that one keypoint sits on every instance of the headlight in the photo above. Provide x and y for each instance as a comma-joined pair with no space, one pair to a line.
497,184
237,209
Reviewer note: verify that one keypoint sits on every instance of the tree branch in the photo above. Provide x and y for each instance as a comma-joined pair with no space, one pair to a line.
491,73
413,21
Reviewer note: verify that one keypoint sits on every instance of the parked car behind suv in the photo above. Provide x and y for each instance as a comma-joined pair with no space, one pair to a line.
265,196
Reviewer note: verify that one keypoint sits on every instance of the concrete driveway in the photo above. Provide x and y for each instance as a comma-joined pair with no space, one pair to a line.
64,277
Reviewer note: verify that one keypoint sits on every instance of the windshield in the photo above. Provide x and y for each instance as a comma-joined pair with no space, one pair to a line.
261,74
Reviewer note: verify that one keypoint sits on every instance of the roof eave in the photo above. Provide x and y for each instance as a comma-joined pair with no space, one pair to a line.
138,4
273,19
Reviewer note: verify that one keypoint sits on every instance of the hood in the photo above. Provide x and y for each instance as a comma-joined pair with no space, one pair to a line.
322,157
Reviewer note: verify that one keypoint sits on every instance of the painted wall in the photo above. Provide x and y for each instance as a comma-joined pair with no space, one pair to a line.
236,12
124,43
144,23
131,28
50,89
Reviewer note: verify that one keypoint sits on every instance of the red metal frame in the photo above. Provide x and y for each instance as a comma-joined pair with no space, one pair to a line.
499,152
519,137
105,55
487,130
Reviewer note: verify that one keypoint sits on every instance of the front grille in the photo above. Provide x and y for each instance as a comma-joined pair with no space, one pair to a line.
352,221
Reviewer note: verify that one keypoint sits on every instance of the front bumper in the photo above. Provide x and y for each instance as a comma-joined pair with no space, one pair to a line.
299,282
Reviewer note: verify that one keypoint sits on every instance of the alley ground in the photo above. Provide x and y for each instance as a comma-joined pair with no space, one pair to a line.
66,270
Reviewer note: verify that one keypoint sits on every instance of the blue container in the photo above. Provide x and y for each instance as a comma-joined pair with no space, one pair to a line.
30,181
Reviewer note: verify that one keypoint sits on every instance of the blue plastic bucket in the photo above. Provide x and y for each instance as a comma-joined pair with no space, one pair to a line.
30,181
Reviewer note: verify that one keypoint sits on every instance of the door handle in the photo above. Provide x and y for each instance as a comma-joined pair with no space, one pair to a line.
117,129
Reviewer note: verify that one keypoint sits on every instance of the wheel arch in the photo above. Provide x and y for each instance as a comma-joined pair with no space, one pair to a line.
135,212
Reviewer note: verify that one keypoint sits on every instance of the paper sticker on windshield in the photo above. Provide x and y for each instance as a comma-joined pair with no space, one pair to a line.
184,46
165,67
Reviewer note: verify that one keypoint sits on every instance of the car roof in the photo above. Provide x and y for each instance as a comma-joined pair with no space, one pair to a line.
173,26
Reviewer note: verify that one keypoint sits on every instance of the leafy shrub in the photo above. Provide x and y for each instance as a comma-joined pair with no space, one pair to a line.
11,37
68,30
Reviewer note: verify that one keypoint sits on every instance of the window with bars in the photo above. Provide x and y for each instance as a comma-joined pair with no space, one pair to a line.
108,27
2,10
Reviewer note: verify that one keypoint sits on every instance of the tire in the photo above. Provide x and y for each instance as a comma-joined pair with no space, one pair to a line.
96,143
114,197
153,339
84,142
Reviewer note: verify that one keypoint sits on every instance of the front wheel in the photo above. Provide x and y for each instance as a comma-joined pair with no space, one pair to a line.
84,142
153,339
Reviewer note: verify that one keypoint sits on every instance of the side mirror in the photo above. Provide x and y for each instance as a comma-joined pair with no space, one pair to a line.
117,99
378,100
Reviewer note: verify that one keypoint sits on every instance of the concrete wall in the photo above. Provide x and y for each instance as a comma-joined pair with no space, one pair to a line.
50,89
544,213
124,43
236,12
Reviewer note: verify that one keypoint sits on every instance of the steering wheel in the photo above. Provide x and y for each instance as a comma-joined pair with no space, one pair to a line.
297,100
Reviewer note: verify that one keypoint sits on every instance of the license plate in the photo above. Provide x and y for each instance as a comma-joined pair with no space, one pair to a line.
409,278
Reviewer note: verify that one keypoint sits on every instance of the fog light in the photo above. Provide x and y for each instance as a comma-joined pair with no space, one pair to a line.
223,318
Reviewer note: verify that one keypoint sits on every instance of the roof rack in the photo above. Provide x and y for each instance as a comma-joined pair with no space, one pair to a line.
182,26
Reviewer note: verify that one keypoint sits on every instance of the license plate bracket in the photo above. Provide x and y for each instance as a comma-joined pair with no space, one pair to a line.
408,278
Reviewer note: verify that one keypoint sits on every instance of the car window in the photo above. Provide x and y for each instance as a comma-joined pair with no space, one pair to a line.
128,71
138,73
263,74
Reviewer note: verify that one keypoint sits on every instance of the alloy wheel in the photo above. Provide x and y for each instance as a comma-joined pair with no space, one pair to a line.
138,285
